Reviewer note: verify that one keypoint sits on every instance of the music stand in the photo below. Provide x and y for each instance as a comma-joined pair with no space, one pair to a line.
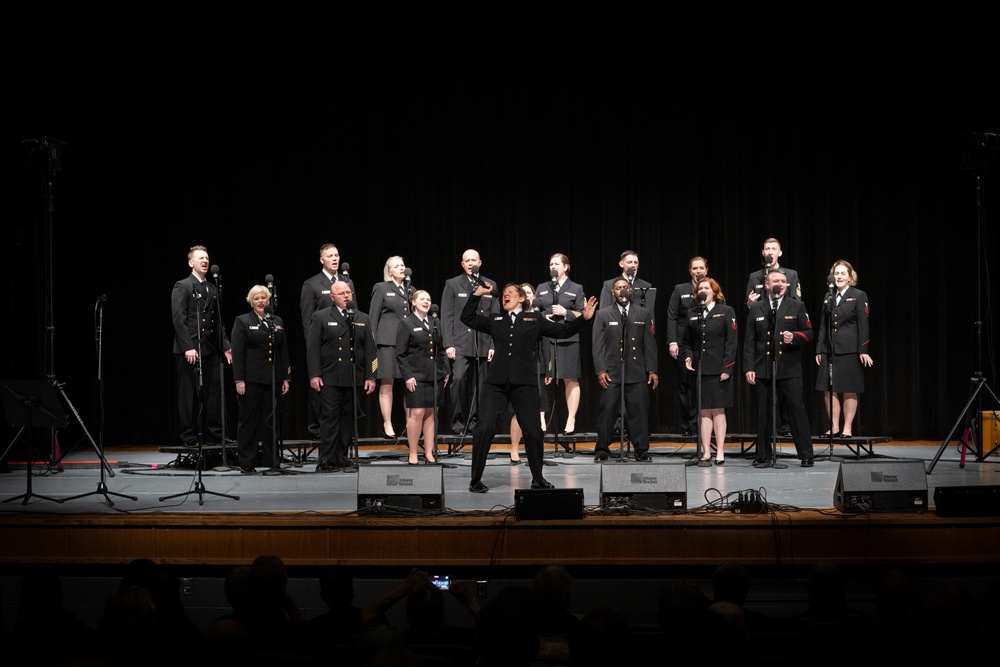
31,404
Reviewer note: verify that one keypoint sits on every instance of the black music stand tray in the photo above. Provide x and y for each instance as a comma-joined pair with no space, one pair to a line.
31,404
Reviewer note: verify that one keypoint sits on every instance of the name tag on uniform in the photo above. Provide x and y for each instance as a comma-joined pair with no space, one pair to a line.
419,329
685,296
333,323
391,294
326,291
760,319
497,318
544,291
462,295
255,326
612,323
693,318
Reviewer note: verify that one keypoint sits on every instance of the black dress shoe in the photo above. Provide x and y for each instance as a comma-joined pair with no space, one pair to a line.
478,487
643,458
250,470
542,483
600,457
325,466
515,462
807,463
785,432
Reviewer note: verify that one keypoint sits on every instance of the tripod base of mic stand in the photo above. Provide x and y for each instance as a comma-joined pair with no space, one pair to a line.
28,496
199,488
102,489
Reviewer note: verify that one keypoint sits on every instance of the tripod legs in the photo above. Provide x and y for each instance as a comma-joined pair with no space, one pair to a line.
199,486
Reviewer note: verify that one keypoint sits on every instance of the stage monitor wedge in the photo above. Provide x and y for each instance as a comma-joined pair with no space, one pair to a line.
548,504
386,486
657,486
883,485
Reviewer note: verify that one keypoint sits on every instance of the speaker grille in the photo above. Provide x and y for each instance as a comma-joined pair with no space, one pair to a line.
881,486
660,486
402,486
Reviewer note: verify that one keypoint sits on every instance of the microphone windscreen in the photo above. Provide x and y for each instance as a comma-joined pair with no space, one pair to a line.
351,305
830,279
269,279
215,269
434,310
407,272
268,310
537,304
630,271
554,274
776,290
702,297
345,268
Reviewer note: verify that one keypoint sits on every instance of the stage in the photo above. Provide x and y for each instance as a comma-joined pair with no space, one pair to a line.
153,502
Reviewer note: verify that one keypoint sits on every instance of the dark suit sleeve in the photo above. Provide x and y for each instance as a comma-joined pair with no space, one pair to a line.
650,352
729,351
307,304
179,310
403,351
448,315
804,332
239,350
283,367
375,308
371,351
673,312
314,342
864,334
598,348
606,298
471,316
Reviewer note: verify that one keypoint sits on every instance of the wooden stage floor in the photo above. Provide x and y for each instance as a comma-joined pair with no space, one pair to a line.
152,502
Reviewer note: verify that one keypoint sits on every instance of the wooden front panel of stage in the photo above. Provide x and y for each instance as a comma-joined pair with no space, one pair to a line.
476,540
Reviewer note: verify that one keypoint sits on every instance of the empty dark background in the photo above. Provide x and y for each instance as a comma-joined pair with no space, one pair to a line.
520,146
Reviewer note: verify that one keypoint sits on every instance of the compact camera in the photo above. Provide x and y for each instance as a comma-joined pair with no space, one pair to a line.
442,581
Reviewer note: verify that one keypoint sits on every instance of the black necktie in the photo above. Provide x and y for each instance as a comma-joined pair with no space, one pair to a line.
838,299
513,318
426,326
774,304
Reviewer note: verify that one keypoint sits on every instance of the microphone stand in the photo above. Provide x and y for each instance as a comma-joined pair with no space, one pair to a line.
828,328
437,339
354,389
774,386
474,402
554,344
199,486
102,487
220,338
621,391
276,448
701,451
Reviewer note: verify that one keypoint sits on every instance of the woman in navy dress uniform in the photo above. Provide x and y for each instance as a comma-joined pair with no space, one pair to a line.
563,300
424,368
259,348
844,328
709,335
389,305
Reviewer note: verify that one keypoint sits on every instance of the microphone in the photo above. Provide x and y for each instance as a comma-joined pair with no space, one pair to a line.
103,297
536,304
269,279
215,271
832,282
350,307
268,311
554,275
702,297
434,310
767,260
630,273
407,274
345,269
476,282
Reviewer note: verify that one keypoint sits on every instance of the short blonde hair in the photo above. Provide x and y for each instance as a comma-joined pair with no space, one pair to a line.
255,290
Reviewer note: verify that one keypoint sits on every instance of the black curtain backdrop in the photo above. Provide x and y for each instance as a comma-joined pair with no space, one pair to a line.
519,147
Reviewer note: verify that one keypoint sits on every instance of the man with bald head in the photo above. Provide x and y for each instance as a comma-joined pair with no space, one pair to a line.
468,350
